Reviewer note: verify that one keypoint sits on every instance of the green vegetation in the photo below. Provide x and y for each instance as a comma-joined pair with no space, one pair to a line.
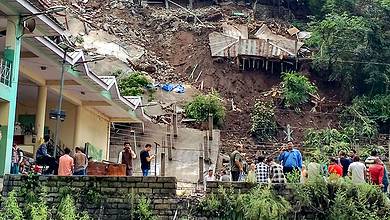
263,120
315,199
296,89
140,207
134,84
259,203
11,209
329,142
352,38
203,105
144,211
367,114
67,210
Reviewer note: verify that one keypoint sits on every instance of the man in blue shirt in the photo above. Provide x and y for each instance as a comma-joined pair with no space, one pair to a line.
291,159
44,159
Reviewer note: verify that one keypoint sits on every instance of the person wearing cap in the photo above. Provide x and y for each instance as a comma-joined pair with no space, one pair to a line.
291,159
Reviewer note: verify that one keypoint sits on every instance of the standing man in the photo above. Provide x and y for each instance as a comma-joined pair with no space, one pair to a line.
276,171
357,171
44,159
262,170
126,157
344,161
335,168
291,159
66,164
145,159
377,172
80,162
236,165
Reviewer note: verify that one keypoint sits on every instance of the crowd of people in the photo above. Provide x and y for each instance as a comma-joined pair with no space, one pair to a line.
289,161
75,163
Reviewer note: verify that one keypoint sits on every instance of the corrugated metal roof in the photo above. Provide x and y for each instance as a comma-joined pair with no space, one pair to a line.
222,45
226,46
283,43
232,43
236,31
258,47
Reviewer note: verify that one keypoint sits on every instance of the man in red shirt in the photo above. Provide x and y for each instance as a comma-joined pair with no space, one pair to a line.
376,172
335,168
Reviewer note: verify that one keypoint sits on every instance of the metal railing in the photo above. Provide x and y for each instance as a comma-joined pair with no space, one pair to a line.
5,72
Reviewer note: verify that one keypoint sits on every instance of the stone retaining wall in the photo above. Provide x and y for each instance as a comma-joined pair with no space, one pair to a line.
113,193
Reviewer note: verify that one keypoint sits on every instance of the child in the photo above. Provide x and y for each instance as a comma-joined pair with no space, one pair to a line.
251,177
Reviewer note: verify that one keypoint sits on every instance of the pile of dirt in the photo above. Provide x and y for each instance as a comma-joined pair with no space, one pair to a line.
177,50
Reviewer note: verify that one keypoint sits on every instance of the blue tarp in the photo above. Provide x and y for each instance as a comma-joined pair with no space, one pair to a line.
179,89
172,87
168,87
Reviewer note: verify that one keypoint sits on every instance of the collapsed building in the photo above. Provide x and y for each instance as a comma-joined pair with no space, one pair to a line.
265,51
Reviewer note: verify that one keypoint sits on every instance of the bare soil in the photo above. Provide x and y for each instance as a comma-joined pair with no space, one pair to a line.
172,38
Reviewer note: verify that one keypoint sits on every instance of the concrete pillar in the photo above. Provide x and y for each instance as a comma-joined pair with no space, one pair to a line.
205,148
77,127
169,142
211,123
40,116
174,121
12,55
200,180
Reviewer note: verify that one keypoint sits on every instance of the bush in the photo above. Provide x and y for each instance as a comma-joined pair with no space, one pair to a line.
134,84
11,208
263,120
203,105
263,203
259,203
296,89
67,210
366,114
144,211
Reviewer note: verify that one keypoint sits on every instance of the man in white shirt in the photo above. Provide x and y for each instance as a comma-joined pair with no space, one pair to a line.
357,170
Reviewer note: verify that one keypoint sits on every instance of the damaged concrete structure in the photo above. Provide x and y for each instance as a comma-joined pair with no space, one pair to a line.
265,51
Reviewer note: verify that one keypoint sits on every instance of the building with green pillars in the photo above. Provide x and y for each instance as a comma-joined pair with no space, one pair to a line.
30,77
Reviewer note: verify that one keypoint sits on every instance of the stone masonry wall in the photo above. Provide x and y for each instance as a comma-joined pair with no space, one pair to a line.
111,193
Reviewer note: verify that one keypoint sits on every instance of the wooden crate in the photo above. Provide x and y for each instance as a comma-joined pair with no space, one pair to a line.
97,169
116,170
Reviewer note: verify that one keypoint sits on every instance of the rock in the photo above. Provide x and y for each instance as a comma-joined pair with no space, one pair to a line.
214,17
106,26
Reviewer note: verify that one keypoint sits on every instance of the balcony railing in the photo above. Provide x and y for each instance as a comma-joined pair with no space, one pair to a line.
5,72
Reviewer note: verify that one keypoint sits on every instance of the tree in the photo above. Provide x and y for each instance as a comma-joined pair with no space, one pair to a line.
134,84
296,89
263,120
203,105
341,40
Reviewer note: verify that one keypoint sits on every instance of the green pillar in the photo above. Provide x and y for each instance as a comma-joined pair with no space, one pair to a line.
11,54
